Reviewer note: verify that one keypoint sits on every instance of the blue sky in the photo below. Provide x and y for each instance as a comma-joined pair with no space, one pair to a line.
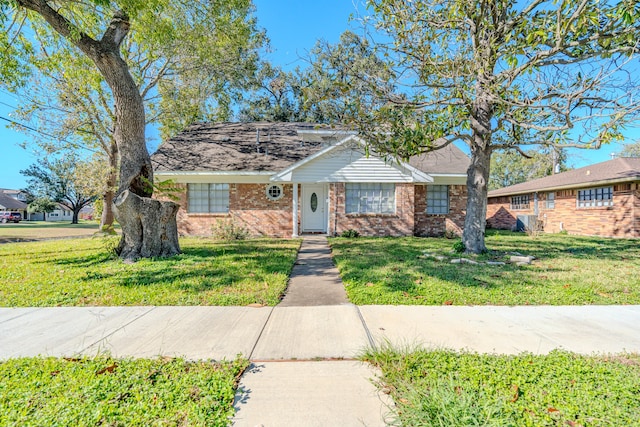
293,26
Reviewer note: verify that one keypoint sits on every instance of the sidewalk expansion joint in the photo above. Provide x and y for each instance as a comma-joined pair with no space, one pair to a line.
20,315
372,342
261,332
118,329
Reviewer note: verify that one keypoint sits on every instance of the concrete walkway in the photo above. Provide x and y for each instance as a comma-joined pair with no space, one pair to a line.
314,279
303,370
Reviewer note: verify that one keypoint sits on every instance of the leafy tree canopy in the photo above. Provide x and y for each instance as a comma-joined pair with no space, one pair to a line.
631,150
189,64
41,204
512,167
72,182
495,74
323,91
276,97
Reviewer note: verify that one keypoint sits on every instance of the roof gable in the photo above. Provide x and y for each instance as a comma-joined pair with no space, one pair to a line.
346,161
622,169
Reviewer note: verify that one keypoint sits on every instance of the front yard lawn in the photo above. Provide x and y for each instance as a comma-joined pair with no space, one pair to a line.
569,270
445,388
27,231
82,273
117,392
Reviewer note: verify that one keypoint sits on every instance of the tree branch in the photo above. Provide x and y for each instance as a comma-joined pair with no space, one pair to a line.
62,25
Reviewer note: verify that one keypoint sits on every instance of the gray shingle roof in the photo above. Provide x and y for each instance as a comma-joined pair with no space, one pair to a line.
449,159
232,147
616,170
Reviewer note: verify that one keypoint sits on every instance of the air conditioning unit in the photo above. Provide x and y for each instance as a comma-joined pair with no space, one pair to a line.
528,222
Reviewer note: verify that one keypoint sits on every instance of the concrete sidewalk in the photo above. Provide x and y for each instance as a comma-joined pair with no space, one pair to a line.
294,333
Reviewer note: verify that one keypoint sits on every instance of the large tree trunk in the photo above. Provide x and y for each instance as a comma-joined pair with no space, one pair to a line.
76,212
478,173
149,218
475,218
136,176
148,226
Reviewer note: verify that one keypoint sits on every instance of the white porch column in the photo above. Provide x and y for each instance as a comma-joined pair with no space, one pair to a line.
295,209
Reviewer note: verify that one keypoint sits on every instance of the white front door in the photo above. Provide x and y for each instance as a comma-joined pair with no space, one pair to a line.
314,208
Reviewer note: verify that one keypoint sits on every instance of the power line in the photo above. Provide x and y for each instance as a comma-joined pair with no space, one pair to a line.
53,137
28,127
8,105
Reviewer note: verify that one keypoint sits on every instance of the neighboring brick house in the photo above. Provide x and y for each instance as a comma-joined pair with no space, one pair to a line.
597,200
285,179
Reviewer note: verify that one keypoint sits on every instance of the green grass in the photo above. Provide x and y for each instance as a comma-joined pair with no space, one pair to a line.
445,388
569,270
82,273
36,230
117,392
82,223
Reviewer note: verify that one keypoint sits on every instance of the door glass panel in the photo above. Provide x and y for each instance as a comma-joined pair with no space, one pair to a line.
314,202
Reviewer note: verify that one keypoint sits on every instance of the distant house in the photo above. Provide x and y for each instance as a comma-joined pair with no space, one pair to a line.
601,200
87,212
284,179
60,213
15,194
10,200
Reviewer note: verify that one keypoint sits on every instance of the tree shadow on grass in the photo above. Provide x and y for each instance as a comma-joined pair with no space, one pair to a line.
396,269
203,268
202,280
549,246
413,277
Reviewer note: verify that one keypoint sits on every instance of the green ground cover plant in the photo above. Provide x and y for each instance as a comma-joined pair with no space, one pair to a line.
446,388
569,270
82,272
117,392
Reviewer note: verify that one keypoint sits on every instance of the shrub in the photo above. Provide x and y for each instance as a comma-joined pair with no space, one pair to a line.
459,247
229,230
109,241
108,229
350,233
98,206
450,233
535,229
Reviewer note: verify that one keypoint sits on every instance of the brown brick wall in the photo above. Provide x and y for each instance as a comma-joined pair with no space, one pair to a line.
619,220
636,210
436,225
500,215
248,207
399,224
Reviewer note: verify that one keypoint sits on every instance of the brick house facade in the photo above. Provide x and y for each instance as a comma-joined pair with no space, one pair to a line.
598,200
329,188
436,225
249,209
